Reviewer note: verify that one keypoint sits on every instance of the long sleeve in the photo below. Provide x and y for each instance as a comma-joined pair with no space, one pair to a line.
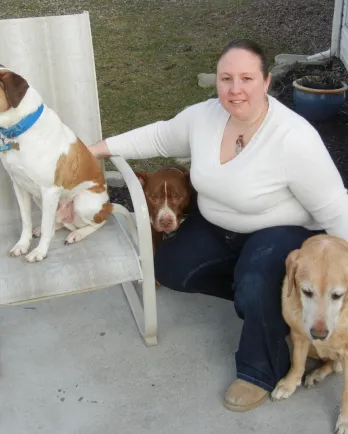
315,181
169,138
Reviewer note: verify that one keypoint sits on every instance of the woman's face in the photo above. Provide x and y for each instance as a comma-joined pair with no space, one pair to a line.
240,83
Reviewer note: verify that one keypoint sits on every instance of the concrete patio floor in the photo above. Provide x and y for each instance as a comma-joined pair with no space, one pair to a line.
77,365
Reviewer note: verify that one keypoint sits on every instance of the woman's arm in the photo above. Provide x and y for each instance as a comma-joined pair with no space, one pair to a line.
163,138
315,181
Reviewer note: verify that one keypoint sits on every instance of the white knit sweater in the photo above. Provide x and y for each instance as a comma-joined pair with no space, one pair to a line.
284,176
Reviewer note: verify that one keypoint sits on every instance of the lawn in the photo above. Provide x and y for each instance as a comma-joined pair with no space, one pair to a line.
148,52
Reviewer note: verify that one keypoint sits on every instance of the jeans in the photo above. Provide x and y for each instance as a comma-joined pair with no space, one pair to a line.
246,268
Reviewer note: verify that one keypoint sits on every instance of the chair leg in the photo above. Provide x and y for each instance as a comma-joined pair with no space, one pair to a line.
145,312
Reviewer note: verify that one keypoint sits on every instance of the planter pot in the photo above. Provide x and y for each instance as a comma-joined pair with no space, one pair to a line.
318,99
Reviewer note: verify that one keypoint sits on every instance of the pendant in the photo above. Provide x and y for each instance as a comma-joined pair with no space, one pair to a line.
239,144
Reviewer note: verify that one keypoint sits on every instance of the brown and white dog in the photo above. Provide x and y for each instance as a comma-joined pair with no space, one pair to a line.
315,306
48,162
168,192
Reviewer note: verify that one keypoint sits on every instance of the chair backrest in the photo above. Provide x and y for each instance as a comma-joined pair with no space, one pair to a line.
55,55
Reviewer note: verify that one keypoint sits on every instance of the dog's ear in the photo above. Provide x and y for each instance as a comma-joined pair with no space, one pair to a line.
142,176
15,87
291,268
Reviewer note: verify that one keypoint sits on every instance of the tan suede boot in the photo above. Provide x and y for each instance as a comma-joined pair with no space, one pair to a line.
243,396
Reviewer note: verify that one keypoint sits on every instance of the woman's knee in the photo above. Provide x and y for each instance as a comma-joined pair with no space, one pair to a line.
182,259
168,270
174,265
260,270
258,300
249,292
266,250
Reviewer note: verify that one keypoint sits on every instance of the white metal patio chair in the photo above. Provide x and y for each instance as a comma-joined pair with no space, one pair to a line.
55,54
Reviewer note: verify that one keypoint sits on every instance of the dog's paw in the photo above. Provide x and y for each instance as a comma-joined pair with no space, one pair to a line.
338,367
36,255
284,389
37,232
314,378
341,427
21,248
74,237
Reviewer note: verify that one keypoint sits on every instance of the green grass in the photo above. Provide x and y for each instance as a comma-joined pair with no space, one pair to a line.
148,53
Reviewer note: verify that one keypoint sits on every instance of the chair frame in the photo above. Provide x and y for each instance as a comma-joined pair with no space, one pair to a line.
141,294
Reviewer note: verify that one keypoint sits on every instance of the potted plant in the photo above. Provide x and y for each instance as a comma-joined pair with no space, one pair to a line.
318,98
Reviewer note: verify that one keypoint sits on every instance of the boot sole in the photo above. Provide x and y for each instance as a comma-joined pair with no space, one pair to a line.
240,408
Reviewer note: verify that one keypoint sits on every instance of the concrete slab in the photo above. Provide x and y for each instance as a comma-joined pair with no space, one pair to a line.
77,365
206,80
114,178
304,59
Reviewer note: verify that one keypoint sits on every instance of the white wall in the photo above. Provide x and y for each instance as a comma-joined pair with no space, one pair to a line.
344,35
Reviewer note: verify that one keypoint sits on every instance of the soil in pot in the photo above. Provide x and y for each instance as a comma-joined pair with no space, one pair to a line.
317,82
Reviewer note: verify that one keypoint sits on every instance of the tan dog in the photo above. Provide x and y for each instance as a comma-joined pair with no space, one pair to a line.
315,306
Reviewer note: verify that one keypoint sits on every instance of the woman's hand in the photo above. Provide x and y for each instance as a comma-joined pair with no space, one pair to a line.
100,149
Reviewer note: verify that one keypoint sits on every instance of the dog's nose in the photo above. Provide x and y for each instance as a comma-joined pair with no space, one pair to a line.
166,222
319,334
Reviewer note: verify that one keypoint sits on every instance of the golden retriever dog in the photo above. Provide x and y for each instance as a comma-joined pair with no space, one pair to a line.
315,306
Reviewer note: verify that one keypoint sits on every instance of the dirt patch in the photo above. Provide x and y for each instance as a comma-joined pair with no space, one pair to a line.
121,195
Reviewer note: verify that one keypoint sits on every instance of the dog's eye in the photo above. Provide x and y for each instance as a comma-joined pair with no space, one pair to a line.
335,296
307,292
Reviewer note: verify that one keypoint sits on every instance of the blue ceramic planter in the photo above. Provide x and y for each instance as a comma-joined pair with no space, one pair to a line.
319,103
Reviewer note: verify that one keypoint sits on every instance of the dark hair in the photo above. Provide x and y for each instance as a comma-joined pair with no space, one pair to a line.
249,45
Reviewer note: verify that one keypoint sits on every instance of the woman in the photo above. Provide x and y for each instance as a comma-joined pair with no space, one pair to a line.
265,183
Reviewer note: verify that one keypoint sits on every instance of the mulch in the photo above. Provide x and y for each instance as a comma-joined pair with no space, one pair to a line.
334,132
121,195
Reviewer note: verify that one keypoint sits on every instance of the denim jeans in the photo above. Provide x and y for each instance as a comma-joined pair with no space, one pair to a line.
246,268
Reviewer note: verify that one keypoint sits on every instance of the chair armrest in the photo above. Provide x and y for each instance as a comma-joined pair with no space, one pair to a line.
141,211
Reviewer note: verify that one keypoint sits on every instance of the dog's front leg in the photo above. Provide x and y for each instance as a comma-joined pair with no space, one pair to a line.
50,199
287,385
342,421
24,202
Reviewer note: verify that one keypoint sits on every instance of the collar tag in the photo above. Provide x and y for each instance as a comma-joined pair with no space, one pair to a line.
6,147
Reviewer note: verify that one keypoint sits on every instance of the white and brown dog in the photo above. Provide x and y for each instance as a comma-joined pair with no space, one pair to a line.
48,162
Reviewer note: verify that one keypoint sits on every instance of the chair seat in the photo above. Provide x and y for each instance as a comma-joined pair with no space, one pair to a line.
103,259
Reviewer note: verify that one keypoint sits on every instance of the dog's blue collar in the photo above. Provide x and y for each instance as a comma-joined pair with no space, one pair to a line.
23,125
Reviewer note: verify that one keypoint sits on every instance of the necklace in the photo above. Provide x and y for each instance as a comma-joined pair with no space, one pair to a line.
240,145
